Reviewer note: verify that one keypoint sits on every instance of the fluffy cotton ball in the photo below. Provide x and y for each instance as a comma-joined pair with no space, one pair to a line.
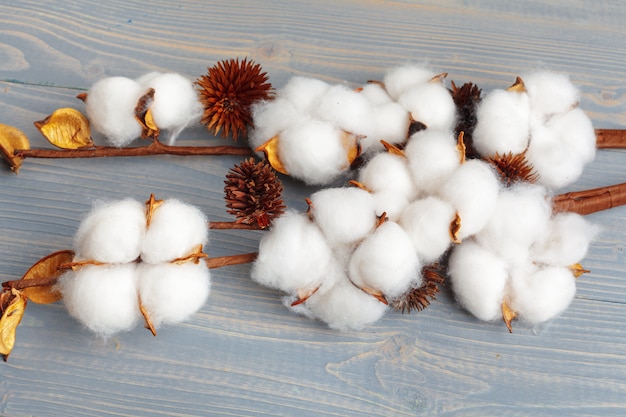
303,92
432,104
574,128
270,118
171,293
112,232
313,151
540,295
345,108
389,122
175,230
176,102
388,172
110,108
521,218
390,203
567,240
473,191
503,122
400,79
345,215
478,279
345,307
432,157
385,261
293,255
427,223
550,93
376,94
103,298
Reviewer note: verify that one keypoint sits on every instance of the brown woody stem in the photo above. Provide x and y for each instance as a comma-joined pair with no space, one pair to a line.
242,258
154,148
591,201
233,225
610,138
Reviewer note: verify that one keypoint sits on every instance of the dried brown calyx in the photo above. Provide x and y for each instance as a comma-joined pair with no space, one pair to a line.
227,93
466,98
513,168
420,298
253,193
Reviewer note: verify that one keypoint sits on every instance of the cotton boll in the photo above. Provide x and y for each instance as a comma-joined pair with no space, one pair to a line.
473,191
270,118
313,152
110,108
386,261
303,92
376,94
432,104
550,93
427,223
146,78
388,172
345,215
478,279
176,102
389,122
400,79
112,232
391,203
556,163
502,125
293,255
171,293
345,108
432,157
103,298
537,296
345,307
521,218
175,230
567,240
574,128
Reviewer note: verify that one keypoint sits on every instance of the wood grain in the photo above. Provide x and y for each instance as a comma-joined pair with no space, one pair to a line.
244,354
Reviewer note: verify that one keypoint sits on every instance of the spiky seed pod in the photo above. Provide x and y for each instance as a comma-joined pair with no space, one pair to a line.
227,93
419,298
466,98
253,193
513,168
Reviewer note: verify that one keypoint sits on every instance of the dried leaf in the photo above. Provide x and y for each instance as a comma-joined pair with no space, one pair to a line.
518,86
148,320
508,315
143,115
151,205
455,227
66,128
47,267
13,305
270,149
350,143
377,294
392,149
304,294
460,146
578,270
12,139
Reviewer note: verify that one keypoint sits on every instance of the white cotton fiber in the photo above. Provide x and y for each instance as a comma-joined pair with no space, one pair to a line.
293,254
400,79
103,298
270,118
303,92
432,157
345,215
430,103
540,295
388,172
556,163
176,102
110,108
521,218
503,122
574,128
391,203
478,279
345,307
566,242
427,223
171,293
175,230
112,232
386,261
390,122
550,93
345,108
313,152
473,191
376,94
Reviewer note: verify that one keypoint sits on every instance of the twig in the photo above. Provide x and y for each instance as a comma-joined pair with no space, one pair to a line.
610,138
591,201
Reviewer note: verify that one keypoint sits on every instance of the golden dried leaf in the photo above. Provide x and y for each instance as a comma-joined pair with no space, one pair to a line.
11,317
47,267
439,77
66,128
148,320
143,115
508,315
350,143
578,270
377,294
460,146
360,185
151,205
12,139
270,149
455,226
392,149
304,294
518,86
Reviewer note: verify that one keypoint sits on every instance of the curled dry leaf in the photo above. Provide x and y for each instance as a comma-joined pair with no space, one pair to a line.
270,149
12,139
143,115
48,268
66,128
12,307
508,315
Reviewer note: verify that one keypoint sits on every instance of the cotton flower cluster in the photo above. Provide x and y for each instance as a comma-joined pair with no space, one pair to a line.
524,258
315,130
539,116
111,105
127,256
